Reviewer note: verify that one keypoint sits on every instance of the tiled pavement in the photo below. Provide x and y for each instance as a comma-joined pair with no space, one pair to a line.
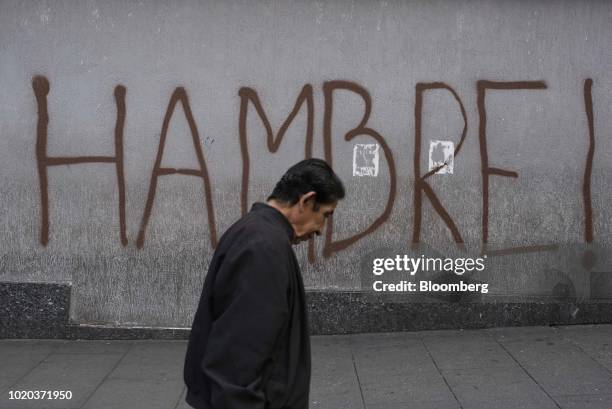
509,368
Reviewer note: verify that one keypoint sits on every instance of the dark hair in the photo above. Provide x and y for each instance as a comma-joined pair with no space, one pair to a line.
305,176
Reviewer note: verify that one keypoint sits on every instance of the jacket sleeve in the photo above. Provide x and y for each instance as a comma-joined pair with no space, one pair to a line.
251,299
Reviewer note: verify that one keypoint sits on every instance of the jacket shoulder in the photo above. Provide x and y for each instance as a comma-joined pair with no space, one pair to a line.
253,229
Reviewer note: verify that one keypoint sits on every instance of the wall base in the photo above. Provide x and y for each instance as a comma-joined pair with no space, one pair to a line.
41,310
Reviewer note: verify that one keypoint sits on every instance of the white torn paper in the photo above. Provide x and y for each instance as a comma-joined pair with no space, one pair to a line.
365,159
441,153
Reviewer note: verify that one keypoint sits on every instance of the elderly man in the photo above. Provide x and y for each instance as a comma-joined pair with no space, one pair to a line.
249,345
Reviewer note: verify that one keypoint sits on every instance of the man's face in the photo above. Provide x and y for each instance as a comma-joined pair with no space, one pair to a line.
311,221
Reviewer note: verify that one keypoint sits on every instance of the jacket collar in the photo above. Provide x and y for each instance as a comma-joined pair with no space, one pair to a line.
273,214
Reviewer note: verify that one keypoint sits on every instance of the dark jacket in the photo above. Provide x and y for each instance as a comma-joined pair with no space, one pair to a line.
249,346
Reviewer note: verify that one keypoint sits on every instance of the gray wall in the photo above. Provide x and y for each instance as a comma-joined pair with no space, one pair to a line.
213,49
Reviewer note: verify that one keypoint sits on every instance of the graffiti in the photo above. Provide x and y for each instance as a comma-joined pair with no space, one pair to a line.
248,96
329,87
179,95
588,170
486,170
41,88
420,185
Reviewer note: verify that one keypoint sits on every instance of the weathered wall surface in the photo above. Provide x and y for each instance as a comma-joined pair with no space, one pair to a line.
90,198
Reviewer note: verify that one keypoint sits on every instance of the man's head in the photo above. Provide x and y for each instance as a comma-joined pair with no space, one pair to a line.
307,195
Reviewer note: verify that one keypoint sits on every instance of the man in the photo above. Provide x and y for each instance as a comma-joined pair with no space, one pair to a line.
249,346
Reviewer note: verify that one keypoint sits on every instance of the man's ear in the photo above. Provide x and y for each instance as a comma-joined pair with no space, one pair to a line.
307,199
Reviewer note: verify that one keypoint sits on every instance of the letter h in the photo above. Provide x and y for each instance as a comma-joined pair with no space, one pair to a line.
40,84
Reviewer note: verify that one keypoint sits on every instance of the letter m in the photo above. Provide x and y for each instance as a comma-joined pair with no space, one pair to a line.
248,94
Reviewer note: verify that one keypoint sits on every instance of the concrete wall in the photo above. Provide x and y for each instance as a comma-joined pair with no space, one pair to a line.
115,70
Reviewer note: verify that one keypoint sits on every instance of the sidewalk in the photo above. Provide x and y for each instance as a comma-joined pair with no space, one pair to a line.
509,368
